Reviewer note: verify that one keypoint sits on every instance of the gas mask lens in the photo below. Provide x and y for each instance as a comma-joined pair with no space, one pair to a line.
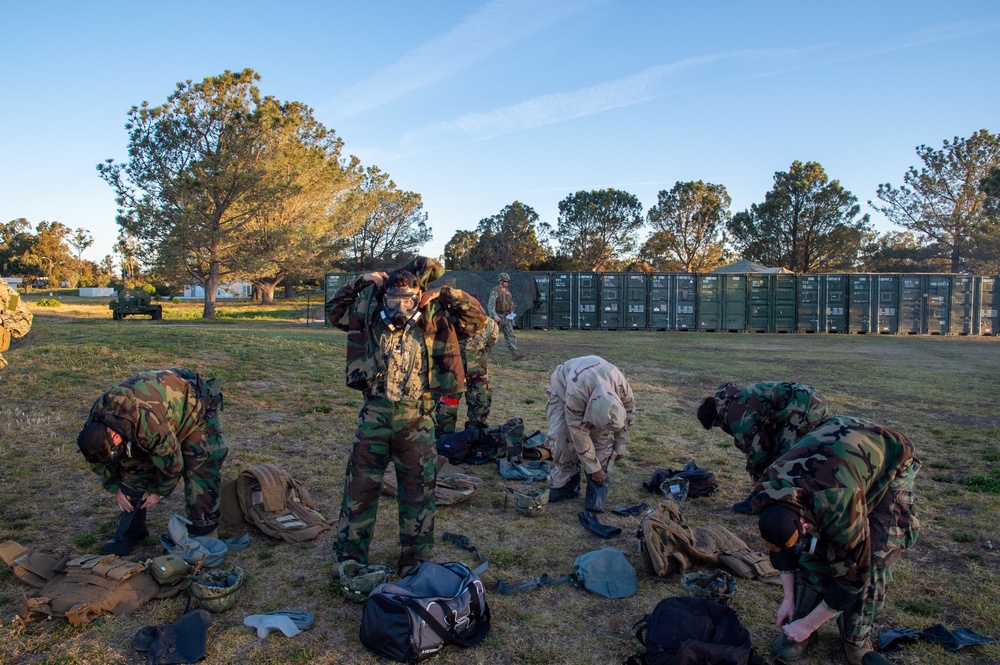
399,309
400,302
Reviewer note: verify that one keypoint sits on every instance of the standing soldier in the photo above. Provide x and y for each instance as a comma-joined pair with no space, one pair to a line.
836,511
500,308
591,411
15,319
148,432
478,394
402,353
765,420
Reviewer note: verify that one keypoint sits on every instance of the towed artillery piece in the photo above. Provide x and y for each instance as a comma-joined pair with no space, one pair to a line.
134,301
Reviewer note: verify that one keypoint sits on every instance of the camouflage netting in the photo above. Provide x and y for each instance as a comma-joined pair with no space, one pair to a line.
479,283
15,319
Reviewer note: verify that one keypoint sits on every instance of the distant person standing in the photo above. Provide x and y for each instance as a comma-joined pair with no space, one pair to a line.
500,308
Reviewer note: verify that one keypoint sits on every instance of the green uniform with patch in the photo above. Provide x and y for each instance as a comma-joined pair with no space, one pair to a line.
171,418
852,480
766,419
402,374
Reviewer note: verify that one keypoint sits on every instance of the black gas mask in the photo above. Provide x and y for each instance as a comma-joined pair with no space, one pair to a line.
400,307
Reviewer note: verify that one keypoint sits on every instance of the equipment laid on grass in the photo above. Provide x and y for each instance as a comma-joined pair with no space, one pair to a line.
606,572
182,641
357,580
217,590
699,482
719,586
278,504
432,606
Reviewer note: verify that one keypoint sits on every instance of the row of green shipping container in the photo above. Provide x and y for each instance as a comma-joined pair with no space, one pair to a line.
887,303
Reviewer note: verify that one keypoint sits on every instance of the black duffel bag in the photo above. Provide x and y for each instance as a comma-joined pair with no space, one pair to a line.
433,605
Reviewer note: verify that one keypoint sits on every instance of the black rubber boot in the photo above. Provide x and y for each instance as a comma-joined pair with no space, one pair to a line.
744,507
567,491
806,600
210,530
596,496
131,531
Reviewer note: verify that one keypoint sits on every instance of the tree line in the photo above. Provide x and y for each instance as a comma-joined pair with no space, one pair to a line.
223,183
948,208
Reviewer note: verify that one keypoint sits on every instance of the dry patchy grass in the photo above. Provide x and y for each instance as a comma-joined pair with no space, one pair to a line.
286,402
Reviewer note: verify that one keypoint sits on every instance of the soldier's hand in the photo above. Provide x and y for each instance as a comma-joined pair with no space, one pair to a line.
497,318
429,295
375,278
149,500
123,502
618,456
786,612
598,477
797,631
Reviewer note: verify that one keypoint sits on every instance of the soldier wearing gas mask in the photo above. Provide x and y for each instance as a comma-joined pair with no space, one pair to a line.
403,355
836,511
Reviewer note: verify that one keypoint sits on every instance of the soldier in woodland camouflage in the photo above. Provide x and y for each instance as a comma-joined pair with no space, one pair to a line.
501,306
765,420
149,431
837,511
403,355
15,319
478,394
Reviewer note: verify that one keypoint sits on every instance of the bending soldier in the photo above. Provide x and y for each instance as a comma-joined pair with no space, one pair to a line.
478,394
765,420
836,511
402,353
500,308
145,434
591,411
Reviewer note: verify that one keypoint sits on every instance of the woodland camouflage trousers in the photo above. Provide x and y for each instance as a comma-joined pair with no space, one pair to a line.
478,399
403,433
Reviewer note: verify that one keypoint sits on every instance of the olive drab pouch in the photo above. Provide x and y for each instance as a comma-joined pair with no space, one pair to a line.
88,586
169,569
278,505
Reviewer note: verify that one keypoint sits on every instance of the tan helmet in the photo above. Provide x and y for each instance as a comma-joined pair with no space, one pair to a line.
504,277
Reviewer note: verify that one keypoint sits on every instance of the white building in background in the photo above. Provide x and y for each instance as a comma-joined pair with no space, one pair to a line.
240,289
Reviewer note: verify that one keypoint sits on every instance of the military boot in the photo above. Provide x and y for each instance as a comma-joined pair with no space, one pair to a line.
567,491
806,600
856,653
745,506
131,531
209,530
516,355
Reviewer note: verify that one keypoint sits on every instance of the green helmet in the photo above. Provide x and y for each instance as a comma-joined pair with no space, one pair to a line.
531,504
358,580
217,591
719,586
504,277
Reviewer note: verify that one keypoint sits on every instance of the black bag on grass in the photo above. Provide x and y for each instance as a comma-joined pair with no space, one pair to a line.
455,445
693,631
700,481
433,605
487,447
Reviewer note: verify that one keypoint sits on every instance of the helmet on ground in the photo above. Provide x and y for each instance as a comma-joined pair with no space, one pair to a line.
357,580
504,277
719,586
531,504
217,590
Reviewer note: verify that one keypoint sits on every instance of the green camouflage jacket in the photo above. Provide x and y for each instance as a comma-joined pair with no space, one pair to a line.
453,316
835,476
766,419
159,408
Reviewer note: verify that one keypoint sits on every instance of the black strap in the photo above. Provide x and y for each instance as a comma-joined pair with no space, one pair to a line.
447,634
463,542
532,584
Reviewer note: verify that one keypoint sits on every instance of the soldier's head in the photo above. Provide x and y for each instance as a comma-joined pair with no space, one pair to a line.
784,532
708,415
100,444
504,278
606,412
401,300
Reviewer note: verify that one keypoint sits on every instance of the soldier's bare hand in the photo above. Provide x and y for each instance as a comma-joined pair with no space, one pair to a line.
598,477
429,295
123,502
375,278
797,631
786,612
149,500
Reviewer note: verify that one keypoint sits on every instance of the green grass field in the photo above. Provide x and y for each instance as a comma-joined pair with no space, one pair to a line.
286,402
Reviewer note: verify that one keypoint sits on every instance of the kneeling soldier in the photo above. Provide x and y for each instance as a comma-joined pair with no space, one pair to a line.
147,432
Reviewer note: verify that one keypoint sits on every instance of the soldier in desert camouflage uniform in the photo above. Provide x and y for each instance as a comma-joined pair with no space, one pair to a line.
765,420
478,394
146,433
15,319
837,512
402,353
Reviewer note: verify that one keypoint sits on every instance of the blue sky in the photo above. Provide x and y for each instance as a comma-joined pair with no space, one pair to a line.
477,104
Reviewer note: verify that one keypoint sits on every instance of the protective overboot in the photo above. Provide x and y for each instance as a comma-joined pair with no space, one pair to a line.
744,507
567,491
596,496
806,600
131,531
875,658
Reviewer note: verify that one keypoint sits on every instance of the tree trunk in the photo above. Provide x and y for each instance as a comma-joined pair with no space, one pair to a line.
289,288
255,292
266,293
211,286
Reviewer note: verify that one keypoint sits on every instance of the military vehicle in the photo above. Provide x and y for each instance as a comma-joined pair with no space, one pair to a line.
134,301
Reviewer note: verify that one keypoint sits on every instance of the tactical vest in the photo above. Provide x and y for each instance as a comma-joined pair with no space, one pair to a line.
668,548
91,585
278,504
504,303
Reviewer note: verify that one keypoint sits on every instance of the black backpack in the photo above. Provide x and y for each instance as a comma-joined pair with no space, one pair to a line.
432,606
487,447
693,631
456,445
700,481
